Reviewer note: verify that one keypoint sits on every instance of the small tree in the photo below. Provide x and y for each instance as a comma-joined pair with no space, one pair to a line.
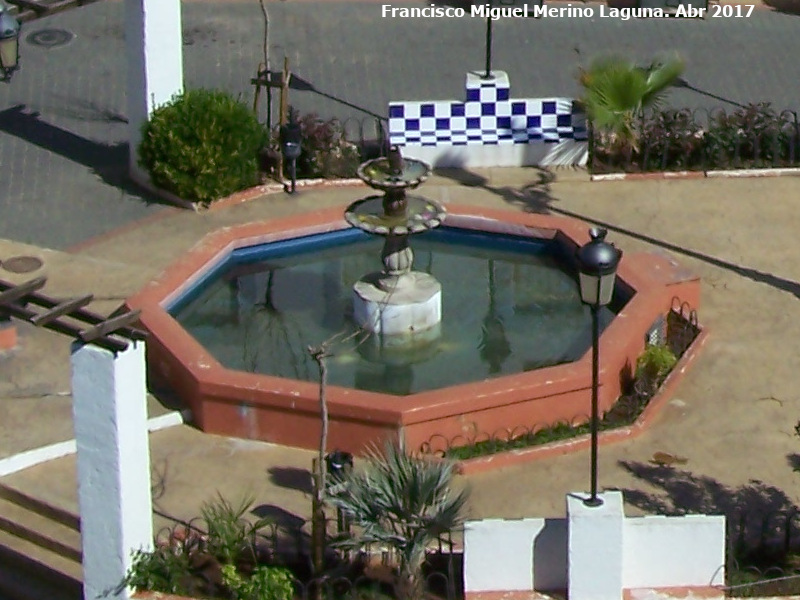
616,91
404,502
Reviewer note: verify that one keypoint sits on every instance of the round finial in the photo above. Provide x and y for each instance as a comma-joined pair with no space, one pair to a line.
598,233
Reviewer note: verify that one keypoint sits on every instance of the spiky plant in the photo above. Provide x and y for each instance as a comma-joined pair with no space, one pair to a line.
616,91
403,502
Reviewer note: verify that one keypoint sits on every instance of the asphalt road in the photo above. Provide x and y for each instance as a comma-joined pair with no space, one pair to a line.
62,117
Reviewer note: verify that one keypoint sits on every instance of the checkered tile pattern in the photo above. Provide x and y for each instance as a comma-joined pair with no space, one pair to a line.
488,117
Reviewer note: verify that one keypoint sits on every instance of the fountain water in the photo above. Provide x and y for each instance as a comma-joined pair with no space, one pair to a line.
402,305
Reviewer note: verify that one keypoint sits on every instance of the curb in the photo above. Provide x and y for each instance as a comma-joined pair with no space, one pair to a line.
247,194
682,175
30,458
521,456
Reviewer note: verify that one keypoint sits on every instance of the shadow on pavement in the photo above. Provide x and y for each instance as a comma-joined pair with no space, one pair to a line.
535,198
291,478
301,85
108,161
681,83
682,492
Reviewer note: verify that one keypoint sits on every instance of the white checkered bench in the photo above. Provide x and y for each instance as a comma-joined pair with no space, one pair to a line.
490,128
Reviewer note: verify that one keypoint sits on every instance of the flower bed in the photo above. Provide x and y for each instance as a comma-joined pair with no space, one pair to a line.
655,377
751,137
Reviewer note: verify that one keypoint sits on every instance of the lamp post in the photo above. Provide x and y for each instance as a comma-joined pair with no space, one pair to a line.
9,42
339,464
291,138
597,269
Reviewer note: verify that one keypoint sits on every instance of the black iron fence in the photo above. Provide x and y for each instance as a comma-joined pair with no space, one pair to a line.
753,136
369,134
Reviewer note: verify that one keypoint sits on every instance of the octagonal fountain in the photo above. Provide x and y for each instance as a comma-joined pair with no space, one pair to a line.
231,320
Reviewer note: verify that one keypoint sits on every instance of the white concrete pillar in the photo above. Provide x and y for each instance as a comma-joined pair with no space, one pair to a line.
595,547
154,47
110,419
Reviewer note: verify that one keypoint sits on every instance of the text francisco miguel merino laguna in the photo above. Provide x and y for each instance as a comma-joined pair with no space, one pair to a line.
499,12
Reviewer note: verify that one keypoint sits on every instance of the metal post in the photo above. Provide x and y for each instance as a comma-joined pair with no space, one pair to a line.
488,45
595,308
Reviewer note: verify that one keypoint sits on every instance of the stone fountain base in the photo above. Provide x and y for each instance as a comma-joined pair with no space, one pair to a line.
409,307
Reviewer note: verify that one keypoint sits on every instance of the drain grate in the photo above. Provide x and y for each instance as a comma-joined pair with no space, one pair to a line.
50,38
22,264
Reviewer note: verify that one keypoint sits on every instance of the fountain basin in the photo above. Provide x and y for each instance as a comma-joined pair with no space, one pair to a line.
280,410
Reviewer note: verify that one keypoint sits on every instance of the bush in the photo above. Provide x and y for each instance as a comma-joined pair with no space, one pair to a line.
264,583
225,560
652,367
325,151
753,136
202,145
231,537
671,139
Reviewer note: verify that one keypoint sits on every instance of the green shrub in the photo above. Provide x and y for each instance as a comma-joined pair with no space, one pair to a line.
161,570
751,136
325,151
652,367
202,145
264,583
231,537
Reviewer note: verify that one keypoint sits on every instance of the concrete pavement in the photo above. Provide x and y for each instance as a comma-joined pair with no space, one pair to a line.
733,416
62,117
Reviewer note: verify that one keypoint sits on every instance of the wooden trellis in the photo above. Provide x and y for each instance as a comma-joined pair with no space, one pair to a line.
29,10
25,302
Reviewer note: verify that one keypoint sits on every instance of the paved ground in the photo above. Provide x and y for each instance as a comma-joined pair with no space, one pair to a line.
733,415
62,117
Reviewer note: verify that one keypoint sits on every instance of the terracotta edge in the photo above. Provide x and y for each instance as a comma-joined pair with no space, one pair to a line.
480,464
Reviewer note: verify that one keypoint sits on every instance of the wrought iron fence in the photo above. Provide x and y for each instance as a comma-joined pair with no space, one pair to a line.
369,134
753,136
763,554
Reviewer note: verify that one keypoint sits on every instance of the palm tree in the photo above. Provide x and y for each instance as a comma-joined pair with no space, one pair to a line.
403,502
616,91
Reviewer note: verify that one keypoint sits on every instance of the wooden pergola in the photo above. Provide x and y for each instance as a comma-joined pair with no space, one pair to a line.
30,10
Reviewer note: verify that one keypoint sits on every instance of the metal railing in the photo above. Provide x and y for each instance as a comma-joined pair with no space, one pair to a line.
753,136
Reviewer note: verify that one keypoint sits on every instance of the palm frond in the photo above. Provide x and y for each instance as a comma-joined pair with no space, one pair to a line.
405,502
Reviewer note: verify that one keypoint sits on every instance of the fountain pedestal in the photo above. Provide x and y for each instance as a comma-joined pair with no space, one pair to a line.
412,307
403,306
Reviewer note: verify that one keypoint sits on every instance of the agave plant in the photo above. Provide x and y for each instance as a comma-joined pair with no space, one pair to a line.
402,502
616,91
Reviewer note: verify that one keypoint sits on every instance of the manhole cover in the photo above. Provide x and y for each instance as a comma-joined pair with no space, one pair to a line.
50,38
22,264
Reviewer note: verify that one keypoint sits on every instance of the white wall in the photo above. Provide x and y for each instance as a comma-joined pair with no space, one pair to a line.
608,552
515,555
563,153
669,551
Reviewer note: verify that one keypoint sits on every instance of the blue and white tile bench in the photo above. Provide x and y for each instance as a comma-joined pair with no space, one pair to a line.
490,129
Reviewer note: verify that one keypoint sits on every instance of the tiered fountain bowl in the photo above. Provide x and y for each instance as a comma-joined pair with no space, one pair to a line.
402,306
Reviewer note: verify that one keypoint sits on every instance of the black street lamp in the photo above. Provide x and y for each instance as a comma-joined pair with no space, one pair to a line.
9,42
339,464
597,269
291,138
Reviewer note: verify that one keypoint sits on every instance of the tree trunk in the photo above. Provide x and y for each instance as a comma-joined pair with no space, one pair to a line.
410,583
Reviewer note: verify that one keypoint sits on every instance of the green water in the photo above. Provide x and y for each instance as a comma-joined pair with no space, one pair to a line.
503,312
